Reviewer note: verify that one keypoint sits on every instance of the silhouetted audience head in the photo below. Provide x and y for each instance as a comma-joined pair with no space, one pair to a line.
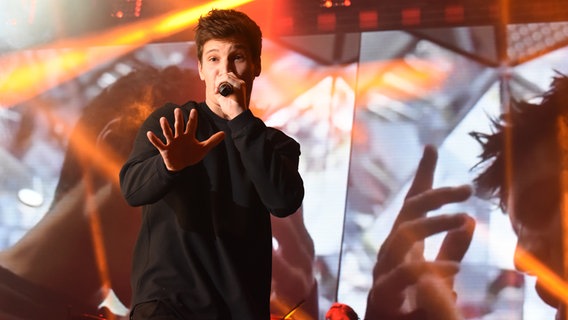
522,165
115,115
515,134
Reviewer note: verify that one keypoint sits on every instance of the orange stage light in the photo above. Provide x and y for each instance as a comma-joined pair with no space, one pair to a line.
23,78
552,282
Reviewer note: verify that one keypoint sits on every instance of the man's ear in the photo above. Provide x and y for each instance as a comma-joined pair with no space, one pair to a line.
107,132
114,141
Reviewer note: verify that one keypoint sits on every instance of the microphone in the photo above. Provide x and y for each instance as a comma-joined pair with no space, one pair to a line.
225,89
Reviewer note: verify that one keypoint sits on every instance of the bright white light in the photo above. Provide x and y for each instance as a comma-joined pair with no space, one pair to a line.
30,197
114,304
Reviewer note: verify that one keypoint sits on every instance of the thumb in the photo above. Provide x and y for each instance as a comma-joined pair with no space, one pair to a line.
214,140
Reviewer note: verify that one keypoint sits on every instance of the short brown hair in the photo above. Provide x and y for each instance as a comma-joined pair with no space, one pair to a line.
228,23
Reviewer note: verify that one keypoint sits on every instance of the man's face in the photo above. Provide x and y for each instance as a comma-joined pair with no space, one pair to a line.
535,203
221,56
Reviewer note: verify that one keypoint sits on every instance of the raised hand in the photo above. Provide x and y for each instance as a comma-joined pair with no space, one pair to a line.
181,148
400,262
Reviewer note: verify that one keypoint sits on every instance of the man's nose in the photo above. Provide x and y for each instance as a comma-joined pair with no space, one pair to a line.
224,66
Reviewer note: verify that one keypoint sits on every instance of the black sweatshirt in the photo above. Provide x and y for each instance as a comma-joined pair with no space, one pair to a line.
205,242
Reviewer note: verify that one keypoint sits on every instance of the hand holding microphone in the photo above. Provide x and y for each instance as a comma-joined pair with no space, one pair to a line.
235,101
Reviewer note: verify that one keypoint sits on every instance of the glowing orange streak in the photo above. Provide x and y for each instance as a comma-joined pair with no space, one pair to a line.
547,278
563,146
96,234
399,79
100,156
22,80
283,306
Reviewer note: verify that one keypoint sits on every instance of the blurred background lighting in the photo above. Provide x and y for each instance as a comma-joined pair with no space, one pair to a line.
334,3
30,197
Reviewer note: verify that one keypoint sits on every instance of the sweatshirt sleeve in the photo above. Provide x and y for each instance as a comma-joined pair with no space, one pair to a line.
271,159
144,178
